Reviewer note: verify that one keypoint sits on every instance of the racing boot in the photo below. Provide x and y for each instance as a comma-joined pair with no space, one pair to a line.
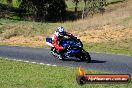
56,53
53,51
60,55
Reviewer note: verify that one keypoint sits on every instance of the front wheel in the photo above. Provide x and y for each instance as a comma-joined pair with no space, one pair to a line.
84,56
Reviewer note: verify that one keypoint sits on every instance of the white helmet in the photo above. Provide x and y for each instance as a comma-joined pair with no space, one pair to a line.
61,31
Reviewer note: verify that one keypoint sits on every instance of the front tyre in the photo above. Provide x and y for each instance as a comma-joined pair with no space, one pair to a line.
84,56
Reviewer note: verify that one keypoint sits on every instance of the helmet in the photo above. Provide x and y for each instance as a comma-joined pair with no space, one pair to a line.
61,31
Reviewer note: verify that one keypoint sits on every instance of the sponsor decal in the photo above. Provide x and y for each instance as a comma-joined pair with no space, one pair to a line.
83,78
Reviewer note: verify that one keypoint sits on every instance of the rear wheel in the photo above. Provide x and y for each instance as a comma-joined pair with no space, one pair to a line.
84,56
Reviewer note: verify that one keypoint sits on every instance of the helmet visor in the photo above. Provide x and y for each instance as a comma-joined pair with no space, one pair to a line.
61,33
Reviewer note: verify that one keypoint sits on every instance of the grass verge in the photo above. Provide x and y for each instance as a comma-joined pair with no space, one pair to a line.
107,48
94,47
26,75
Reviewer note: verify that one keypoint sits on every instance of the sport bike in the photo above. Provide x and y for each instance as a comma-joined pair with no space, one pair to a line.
73,48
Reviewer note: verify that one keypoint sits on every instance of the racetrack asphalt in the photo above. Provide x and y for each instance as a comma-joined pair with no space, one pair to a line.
112,63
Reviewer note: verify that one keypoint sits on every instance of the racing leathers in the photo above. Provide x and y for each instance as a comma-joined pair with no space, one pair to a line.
56,40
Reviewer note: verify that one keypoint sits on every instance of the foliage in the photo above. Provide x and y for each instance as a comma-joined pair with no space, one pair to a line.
94,6
44,9
76,4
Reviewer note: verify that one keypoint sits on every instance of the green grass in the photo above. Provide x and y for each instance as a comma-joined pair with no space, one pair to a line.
26,75
127,21
37,28
28,28
109,47
71,5
94,47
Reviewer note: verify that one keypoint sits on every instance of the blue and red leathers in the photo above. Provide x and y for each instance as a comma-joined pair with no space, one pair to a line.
56,39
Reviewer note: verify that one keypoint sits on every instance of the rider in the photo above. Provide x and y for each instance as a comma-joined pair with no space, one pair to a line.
58,35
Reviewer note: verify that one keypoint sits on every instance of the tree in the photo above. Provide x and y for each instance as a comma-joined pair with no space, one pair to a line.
83,12
9,2
93,6
41,10
76,4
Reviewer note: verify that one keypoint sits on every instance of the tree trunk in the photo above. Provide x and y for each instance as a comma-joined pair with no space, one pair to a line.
83,12
76,7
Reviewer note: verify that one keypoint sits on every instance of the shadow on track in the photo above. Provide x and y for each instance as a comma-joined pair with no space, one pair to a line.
77,60
98,61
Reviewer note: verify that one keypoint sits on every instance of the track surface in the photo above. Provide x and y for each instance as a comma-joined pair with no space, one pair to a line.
104,62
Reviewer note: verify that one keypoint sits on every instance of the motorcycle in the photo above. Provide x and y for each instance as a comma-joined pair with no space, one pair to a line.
74,48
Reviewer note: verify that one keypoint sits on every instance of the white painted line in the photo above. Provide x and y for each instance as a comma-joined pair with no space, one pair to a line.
30,62
54,65
18,60
33,62
27,61
41,63
48,64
